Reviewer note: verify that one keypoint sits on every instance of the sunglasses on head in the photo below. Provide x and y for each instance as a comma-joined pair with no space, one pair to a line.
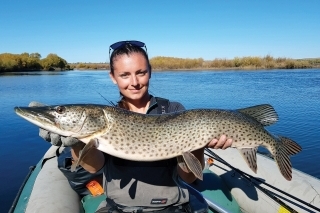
120,44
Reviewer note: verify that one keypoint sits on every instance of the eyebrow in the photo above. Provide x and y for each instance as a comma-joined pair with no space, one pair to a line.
137,71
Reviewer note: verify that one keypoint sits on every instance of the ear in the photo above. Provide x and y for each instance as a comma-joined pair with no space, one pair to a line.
112,78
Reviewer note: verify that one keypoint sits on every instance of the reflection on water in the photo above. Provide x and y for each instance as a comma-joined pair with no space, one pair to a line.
32,73
293,93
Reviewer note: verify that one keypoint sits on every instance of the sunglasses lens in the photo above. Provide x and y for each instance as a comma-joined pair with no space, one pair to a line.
121,43
137,43
117,45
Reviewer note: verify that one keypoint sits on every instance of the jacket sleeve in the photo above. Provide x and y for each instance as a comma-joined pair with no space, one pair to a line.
175,106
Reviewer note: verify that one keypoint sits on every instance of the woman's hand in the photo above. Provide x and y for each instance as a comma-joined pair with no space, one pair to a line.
222,143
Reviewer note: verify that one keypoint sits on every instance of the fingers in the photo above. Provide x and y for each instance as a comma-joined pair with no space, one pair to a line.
227,144
44,134
53,138
35,104
57,140
70,141
222,143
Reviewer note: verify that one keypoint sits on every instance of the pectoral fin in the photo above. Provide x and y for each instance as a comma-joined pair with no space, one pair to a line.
182,164
250,156
93,143
193,164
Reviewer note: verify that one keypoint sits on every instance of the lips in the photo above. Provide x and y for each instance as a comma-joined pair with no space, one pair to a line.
135,90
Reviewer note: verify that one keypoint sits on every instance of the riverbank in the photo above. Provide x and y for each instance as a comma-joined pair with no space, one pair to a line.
244,63
32,62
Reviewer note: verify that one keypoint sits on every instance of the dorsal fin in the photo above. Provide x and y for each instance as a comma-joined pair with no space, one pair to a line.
264,113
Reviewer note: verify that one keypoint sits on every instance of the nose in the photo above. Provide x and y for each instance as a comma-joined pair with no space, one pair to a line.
134,80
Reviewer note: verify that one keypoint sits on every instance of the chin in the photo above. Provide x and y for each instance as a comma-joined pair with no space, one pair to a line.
136,96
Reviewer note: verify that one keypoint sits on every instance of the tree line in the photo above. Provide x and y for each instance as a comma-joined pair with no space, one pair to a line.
26,62
33,61
172,63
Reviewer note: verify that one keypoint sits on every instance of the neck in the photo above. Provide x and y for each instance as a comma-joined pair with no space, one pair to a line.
141,105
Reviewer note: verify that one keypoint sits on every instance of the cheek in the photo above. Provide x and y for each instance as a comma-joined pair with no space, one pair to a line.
123,84
144,80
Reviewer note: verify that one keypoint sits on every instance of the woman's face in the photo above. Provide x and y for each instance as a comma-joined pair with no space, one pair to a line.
131,74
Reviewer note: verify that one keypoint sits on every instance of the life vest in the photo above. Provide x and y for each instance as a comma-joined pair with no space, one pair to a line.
132,185
150,185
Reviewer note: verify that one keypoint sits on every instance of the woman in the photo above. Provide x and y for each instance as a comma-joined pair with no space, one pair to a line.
140,186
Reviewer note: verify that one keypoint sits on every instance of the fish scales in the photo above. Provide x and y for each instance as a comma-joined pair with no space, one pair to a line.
142,137
152,137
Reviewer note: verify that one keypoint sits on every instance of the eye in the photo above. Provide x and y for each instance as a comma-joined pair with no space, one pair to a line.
125,75
60,109
142,73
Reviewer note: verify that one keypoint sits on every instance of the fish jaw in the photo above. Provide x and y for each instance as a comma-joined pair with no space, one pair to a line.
38,117
77,121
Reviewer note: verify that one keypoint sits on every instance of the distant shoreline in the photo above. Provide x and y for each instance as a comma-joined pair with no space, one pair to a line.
166,70
209,69
29,62
246,63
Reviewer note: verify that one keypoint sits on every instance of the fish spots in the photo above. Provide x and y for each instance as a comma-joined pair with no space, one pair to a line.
149,138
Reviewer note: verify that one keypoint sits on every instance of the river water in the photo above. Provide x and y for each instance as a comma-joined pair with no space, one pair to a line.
295,94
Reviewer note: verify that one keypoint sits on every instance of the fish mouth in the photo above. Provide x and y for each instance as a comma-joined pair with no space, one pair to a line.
36,115
44,118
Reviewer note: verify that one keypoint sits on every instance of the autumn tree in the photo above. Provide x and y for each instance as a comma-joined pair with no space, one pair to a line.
53,61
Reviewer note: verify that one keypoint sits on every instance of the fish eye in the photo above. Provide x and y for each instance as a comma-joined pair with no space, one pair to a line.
60,109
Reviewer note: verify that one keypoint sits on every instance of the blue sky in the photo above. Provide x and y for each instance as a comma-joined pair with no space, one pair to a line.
82,30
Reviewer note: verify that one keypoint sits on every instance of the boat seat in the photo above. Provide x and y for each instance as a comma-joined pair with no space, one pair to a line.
51,192
212,188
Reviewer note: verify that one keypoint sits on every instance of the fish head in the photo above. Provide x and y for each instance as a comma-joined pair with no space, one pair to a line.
77,120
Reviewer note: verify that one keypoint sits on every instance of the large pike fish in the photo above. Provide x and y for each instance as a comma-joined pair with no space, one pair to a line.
141,137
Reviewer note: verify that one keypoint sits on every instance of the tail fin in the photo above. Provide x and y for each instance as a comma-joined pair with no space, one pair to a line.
286,148
291,147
